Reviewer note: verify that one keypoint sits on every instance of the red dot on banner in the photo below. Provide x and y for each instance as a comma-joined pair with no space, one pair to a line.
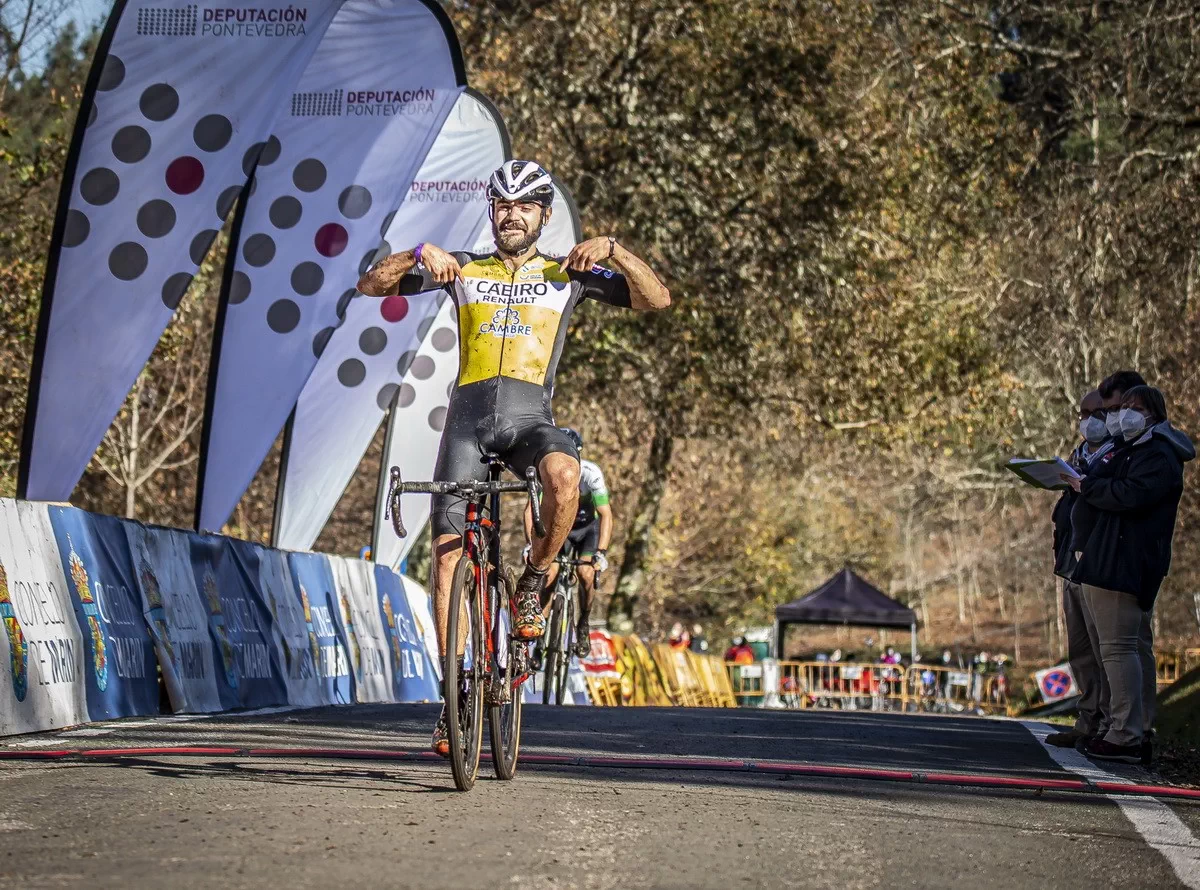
184,175
331,239
393,308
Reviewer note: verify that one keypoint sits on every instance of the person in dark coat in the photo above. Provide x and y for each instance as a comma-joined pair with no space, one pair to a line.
1083,644
1128,501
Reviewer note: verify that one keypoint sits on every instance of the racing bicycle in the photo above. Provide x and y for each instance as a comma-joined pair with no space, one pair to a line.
493,664
560,629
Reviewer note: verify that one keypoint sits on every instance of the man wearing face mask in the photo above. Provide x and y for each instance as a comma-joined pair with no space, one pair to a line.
1083,646
1129,498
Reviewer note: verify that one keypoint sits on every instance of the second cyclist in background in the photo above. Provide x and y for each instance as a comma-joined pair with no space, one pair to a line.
589,536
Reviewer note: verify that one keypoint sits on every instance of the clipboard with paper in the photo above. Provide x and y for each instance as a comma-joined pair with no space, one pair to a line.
1045,473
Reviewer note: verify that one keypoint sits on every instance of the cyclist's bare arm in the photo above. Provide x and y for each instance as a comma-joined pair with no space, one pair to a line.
383,279
605,513
646,291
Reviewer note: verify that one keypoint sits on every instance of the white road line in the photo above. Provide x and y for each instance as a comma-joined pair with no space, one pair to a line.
1151,818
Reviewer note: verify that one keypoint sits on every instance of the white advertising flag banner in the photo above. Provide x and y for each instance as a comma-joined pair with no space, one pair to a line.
176,111
43,649
360,369
349,140
416,422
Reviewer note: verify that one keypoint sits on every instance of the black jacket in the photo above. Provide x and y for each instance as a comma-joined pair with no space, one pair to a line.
1128,501
1064,549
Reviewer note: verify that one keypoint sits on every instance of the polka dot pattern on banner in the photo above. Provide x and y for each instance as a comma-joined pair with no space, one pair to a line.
393,308
309,175
307,279
99,186
321,341
92,114
366,262
77,229
351,372
130,144
112,75
408,395
212,132
200,245
159,102
343,302
283,316
270,152
450,389
424,326
285,212
386,393
422,367
331,239
239,287
372,341
128,260
226,200
437,418
354,202
184,175
258,250
155,218
405,362
174,289
386,224
443,339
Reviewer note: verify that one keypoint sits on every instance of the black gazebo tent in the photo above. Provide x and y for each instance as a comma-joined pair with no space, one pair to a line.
845,599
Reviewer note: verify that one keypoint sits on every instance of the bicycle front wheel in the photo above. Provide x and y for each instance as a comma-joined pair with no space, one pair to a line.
564,655
554,648
464,685
504,720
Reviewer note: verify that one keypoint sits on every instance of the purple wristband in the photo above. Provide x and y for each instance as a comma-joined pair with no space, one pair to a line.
417,252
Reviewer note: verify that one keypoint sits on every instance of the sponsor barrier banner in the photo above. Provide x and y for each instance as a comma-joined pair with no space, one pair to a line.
350,139
42,646
120,669
176,617
362,627
419,414
340,409
316,591
421,608
177,109
413,675
298,658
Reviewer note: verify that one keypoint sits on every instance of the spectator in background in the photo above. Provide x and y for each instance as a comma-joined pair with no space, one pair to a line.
1129,500
680,638
740,652
1083,646
699,640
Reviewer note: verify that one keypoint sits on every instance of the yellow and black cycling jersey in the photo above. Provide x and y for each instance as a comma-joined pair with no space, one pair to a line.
511,328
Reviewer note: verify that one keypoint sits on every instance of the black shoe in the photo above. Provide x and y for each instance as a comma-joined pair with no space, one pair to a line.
583,642
530,623
1069,739
537,660
1101,749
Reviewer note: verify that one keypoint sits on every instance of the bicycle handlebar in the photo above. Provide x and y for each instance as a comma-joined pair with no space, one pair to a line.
469,489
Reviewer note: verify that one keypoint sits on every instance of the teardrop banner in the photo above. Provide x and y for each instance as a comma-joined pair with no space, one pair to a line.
416,420
363,361
352,136
176,111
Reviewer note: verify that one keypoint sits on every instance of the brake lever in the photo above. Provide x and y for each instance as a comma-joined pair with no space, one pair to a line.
401,531
534,487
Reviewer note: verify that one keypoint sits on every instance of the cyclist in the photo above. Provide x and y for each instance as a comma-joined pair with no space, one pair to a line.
513,306
590,537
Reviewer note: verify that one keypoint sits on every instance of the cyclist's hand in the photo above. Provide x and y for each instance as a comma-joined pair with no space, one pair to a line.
600,561
584,256
442,266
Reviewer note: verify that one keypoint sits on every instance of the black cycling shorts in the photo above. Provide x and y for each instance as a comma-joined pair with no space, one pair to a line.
586,538
522,434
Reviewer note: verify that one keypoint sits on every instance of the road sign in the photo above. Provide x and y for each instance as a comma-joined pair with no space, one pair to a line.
1056,682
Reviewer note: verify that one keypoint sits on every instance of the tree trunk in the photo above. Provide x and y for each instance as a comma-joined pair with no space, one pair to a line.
131,485
632,577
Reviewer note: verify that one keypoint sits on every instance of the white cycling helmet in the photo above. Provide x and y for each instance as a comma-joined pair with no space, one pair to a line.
521,181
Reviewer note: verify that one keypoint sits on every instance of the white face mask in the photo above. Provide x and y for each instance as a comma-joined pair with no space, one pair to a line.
1132,421
1093,430
1112,422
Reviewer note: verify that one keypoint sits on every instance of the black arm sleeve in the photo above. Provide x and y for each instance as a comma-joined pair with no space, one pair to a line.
604,286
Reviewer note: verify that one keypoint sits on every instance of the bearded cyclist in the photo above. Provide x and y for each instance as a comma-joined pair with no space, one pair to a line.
513,306
590,536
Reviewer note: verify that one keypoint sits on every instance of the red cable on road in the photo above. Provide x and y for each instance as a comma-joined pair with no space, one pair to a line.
715,764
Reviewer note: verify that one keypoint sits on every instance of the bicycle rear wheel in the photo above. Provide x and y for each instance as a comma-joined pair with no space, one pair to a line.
554,644
504,721
564,654
464,687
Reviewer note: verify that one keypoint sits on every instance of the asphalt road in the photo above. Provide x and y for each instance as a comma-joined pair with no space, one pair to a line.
205,821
